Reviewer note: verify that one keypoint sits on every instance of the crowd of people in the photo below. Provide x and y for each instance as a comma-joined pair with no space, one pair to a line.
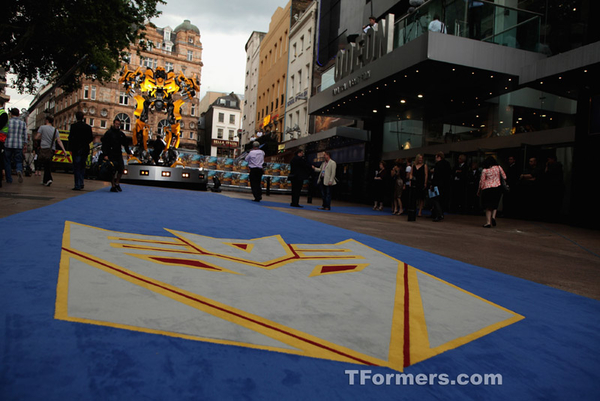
22,156
533,192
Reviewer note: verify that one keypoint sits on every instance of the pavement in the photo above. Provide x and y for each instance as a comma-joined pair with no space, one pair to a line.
158,293
557,255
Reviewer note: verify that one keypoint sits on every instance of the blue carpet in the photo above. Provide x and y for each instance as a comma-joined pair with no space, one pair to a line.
553,354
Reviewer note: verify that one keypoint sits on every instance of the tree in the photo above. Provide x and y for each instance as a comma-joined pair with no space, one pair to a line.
70,39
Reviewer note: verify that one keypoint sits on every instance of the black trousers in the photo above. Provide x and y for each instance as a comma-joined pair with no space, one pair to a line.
255,182
296,190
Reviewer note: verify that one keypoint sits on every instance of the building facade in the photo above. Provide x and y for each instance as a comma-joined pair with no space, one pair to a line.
178,50
512,78
300,66
222,127
249,119
270,104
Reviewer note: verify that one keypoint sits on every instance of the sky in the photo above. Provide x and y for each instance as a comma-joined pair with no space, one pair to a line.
225,27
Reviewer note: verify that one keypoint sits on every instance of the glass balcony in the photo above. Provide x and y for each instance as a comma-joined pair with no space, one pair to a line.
478,20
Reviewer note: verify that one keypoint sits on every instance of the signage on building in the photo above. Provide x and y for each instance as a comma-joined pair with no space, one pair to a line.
350,83
367,48
222,143
299,96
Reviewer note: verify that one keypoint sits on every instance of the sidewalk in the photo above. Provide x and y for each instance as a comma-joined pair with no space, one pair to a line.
556,255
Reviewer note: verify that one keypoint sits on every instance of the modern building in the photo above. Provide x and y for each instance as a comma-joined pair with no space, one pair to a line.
270,104
221,127
178,50
508,78
249,119
300,66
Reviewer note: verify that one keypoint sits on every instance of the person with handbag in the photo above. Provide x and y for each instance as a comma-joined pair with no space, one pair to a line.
490,189
49,137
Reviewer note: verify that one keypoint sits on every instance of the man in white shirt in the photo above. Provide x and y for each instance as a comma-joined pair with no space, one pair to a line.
436,25
256,159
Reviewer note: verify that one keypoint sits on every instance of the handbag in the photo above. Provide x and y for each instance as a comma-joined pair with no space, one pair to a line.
46,154
106,170
503,184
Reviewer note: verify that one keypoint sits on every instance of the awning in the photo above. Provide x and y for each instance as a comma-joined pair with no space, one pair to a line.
347,132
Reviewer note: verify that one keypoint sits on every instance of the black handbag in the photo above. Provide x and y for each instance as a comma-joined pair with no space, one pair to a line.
106,170
503,184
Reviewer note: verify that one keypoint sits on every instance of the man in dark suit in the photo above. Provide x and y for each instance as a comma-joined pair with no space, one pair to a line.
442,176
298,173
459,185
80,138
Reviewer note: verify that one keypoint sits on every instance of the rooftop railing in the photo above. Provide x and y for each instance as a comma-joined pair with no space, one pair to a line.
478,20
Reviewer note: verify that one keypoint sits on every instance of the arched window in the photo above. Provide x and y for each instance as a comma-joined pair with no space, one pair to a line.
125,121
162,124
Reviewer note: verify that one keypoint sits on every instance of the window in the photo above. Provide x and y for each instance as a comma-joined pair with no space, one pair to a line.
93,97
293,78
182,124
231,135
299,80
161,126
190,55
103,124
86,92
301,44
193,111
191,39
125,121
221,117
294,50
168,66
167,35
232,119
168,47
123,99
91,122
220,133
191,135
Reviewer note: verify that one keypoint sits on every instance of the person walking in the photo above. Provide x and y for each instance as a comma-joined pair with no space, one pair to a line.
3,134
13,146
112,141
49,137
490,189
256,159
326,179
298,173
80,137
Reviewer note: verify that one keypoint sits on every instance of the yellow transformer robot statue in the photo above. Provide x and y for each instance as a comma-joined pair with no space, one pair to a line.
157,88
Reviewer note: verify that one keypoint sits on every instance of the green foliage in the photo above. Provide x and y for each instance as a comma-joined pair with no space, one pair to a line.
45,40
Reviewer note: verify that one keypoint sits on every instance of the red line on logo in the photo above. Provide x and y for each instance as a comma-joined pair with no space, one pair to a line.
406,319
306,340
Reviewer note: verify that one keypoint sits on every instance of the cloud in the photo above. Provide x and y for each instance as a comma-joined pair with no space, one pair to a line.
225,27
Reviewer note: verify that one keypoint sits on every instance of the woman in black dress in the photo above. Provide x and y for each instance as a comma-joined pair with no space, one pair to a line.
420,174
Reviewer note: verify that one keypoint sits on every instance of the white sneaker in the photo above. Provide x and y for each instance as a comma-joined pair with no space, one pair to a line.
48,183
20,174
